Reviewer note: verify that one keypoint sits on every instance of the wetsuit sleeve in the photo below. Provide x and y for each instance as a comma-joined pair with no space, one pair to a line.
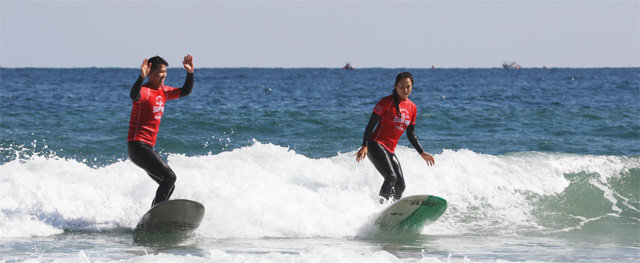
135,89
373,121
188,85
411,135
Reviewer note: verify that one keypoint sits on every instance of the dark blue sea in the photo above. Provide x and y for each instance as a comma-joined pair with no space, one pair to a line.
538,165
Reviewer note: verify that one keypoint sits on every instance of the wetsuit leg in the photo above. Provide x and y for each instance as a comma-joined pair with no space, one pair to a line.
400,185
388,166
159,181
146,158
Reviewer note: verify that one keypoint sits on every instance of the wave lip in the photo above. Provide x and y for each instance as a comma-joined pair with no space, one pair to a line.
265,190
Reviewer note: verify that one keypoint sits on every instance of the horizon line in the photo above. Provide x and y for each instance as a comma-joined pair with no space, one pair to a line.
258,67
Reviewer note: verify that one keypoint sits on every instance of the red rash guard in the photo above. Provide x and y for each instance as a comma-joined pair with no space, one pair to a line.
390,128
146,113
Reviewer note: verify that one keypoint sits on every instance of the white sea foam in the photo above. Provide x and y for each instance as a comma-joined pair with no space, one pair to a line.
266,190
319,254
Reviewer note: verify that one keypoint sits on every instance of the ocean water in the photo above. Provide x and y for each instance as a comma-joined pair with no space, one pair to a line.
538,165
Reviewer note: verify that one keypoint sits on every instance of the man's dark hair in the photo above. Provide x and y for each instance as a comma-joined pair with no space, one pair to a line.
157,62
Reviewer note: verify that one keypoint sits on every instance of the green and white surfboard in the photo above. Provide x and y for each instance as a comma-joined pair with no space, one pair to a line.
411,214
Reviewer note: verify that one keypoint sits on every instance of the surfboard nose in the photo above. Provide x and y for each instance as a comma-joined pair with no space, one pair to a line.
412,213
172,216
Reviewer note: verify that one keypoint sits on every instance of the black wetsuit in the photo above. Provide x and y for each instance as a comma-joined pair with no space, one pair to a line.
144,156
387,163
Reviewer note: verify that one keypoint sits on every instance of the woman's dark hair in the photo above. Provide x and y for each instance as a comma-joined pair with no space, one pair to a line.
400,77
157,62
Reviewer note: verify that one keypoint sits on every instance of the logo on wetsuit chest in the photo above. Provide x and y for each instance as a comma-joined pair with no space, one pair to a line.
403,121
159,108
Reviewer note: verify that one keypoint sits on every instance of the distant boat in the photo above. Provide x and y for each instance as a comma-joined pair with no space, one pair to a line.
347,67
510,65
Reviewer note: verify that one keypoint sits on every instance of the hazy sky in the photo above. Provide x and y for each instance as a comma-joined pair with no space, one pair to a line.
321,34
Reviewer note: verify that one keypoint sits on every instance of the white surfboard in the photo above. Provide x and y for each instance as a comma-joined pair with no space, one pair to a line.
411,214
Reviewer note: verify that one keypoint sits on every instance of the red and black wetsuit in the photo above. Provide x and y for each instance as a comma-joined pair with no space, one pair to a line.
382,141
144,123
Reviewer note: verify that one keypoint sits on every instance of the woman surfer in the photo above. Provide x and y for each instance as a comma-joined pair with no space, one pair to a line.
392,115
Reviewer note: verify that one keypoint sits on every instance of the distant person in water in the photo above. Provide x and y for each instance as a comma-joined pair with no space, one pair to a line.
391,116
146,113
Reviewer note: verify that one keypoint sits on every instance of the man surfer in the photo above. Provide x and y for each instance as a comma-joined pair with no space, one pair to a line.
144,123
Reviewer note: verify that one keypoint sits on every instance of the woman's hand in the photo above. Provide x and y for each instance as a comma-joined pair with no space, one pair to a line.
361,154
145,68
187,62
428,158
